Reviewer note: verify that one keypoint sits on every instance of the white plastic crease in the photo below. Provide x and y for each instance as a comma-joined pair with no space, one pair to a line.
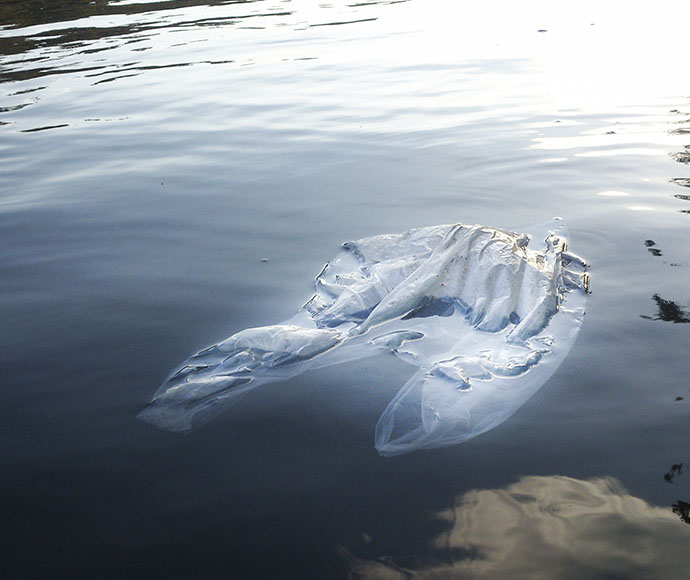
487,315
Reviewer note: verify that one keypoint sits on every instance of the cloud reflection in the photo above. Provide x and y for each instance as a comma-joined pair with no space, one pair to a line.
549,527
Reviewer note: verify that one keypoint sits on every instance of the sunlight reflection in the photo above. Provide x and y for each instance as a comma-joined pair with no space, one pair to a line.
613,193
647,151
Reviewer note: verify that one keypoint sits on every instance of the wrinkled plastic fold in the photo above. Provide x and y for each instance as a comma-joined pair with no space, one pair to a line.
486,315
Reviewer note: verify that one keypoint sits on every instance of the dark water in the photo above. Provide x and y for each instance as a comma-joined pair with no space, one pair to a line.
173,172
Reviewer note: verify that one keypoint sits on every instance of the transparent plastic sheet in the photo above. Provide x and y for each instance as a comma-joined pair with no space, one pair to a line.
487,316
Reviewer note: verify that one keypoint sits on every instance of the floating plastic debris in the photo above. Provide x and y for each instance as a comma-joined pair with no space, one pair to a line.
487,315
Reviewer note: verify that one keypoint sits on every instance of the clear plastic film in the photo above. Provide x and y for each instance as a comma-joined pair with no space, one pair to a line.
487,316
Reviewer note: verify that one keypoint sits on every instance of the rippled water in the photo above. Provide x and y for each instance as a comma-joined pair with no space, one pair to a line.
172,172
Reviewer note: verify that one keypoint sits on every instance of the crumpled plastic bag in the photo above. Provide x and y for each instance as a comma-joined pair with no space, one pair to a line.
487,315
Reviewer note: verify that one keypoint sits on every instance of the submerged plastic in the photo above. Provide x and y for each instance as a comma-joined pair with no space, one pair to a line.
487,316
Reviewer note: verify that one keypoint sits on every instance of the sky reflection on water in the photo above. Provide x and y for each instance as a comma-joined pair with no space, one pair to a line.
545,527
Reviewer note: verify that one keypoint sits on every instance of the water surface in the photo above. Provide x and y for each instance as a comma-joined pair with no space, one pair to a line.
173,172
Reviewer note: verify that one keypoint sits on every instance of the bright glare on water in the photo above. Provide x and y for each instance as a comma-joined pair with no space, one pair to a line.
174,172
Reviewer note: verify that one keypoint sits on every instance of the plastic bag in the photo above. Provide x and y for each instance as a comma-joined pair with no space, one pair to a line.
485,315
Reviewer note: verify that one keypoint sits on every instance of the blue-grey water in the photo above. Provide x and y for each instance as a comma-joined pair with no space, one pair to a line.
172,172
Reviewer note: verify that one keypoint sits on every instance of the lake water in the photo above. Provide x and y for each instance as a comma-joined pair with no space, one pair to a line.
172,172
